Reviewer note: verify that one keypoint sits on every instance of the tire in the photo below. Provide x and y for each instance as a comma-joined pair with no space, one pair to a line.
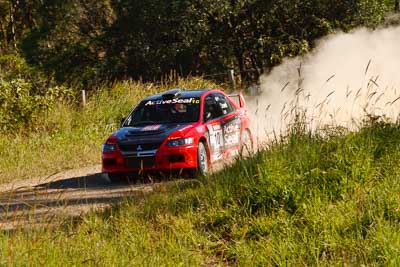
202,159
247,144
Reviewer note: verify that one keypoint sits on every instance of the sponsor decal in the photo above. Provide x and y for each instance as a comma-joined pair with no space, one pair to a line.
232,132
150,128
191,100
216,127
215,137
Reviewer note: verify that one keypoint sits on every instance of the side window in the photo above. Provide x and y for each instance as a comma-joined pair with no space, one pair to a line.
224,103
212,109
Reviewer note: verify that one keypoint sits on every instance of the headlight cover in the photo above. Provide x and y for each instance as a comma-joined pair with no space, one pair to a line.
109,147
180,142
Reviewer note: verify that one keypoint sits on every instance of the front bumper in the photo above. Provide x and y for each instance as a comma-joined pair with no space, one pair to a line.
164,158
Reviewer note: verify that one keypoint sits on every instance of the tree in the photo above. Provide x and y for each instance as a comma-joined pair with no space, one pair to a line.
92,41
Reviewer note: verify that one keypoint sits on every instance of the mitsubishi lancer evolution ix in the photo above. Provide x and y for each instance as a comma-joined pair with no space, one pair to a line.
178,130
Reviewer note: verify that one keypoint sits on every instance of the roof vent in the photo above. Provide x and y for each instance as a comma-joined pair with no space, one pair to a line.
171,94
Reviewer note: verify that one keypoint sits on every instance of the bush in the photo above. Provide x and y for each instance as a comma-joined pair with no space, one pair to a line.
24,93
18,106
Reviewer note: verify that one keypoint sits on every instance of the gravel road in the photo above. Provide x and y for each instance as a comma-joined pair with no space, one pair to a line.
70,194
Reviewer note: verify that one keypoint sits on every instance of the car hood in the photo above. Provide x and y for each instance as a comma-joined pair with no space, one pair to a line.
155,133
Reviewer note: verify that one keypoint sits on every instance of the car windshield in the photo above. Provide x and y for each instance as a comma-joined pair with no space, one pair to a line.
180,110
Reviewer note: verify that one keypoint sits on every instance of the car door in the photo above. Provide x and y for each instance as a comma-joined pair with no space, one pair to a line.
223,126
230,124
211,118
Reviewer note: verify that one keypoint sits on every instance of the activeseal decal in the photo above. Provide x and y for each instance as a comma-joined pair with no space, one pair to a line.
232,132
191,100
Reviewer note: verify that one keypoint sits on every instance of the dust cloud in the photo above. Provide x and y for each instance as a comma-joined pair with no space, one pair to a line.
346,76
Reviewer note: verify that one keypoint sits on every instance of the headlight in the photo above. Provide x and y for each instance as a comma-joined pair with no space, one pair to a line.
109,147
180,142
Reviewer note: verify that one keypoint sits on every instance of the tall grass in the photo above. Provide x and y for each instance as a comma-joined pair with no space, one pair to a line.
327,197
308,199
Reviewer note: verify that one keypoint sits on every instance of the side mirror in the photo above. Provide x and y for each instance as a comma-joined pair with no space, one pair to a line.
121,123
207,116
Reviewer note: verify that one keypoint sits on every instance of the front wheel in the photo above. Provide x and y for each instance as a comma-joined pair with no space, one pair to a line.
202,159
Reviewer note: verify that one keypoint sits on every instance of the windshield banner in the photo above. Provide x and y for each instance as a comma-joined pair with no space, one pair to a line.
191,100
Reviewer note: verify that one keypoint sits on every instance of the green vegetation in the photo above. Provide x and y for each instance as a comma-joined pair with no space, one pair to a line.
311,199
325,198
92,41
50,50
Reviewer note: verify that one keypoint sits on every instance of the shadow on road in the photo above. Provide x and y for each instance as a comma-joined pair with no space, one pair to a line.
91,181
73,196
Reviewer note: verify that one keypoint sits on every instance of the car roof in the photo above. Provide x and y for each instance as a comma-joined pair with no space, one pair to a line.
183,94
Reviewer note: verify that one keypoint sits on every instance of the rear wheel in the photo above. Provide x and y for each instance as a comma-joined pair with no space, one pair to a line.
202,159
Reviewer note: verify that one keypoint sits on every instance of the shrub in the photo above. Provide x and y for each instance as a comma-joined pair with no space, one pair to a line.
24,93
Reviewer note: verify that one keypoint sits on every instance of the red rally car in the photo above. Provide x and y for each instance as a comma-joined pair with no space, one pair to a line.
178,130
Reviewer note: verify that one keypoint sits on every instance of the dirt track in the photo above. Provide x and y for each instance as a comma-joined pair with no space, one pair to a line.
69,194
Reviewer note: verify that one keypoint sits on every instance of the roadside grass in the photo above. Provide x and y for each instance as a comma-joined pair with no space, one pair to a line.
322,198
70,136
325,198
